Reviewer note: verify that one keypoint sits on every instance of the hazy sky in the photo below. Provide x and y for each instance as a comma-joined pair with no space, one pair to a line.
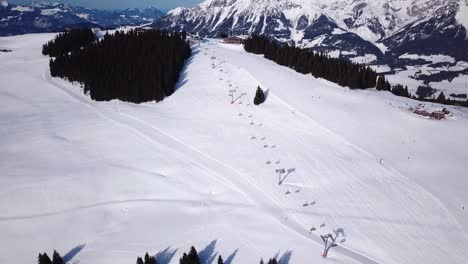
120,4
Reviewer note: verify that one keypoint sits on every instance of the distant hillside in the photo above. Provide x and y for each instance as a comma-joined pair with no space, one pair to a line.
45,17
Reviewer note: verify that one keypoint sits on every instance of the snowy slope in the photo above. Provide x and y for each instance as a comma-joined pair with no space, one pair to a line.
121,179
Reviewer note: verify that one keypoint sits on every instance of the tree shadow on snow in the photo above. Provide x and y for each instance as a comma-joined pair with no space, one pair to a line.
184,73
266,93
208,254
165,256
231,257
285,258
72,253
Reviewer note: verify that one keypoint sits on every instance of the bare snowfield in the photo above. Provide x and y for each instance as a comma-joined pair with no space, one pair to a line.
108,181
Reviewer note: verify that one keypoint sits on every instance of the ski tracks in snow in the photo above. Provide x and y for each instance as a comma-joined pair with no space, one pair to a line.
401,190
237,181
124,202
277,211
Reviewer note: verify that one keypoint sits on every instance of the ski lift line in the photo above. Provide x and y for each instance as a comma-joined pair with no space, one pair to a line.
290,224
299,229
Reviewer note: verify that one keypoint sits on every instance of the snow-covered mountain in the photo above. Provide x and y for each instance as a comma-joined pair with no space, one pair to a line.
45,17
356,28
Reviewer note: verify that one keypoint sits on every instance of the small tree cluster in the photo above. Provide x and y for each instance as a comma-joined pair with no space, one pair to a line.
305,61
422,93
69,41
382,84
399,90
271,261
259,96
147,260
190,258
44,258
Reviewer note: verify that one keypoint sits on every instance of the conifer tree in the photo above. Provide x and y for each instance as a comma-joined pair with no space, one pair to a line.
151,260
190,258
184,259
147,258
44,259
388,87
56,258
273,261
259,96
139,260
381,83
441,98
193,256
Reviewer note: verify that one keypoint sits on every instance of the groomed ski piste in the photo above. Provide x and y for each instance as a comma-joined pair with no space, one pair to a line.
105,182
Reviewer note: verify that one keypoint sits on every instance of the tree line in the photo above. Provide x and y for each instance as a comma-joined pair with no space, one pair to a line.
135,66
187,258
320,65
344,73
421,93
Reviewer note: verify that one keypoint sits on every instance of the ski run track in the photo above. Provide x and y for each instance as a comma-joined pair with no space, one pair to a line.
105,182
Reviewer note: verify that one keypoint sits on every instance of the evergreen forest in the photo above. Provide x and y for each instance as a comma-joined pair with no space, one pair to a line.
134,66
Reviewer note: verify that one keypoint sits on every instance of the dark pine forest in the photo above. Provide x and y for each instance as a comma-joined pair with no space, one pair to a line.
67,42
305,61
135,66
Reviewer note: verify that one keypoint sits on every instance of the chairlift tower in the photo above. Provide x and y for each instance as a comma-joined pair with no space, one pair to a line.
329,241
231,94
213,59
280,172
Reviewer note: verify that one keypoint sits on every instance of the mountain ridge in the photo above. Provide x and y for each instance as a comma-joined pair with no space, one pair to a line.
52,17
360,27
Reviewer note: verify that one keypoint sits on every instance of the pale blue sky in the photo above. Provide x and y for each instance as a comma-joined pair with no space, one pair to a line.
120,4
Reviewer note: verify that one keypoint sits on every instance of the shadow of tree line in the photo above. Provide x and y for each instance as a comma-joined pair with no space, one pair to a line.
208,255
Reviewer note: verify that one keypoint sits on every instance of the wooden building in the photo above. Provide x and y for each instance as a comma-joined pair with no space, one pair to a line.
437,115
